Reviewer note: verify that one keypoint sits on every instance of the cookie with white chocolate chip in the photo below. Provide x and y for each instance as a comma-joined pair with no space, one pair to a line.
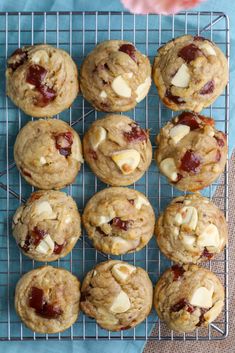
48,153
115,76
191,152
190,73
41,80
47,299
119,220
191,229
117,295
117,150
188,297
48,226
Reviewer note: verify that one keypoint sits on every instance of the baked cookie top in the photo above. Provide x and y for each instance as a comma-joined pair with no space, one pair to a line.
190,73
190,152
117,150
188,297
191,229
115,76
119,220
41,80
47,299
48,226
48,153
117,295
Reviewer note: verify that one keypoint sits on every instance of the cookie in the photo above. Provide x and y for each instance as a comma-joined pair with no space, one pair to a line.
190,73
119,220
47,299
117,150
48,153
117,295
48,226
115,76
188,297
191,229
190,152
41,80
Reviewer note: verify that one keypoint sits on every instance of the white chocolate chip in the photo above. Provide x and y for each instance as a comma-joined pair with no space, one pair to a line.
142,90
103,94
76,151
202,297
178,219
208,48
175,231
43,160
43,208
106,219
209,237
129,74
98,136
121,303
39,56
188,241
30,86
18,214
122,271
182,77
120,87
178,132
209,130
189,216
126,160
46,245
67,220
140,201
168,168
187,202
212,314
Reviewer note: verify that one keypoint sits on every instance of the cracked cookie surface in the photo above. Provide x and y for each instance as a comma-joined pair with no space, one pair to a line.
48,226
41,80
47,299
190,73
117,150
188,297
191,229
48,153
119,220
117,295
191,152
115,76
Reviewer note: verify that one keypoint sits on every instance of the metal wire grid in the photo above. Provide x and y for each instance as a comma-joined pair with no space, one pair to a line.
78,32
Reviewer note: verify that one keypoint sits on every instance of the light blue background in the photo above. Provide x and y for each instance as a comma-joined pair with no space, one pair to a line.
70,5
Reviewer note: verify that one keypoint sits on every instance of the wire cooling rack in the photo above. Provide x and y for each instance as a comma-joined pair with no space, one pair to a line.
77,33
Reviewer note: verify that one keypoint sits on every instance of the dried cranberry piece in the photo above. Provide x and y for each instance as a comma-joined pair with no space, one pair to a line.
117,222
178,271
24,172
207,254
37,235
175,99
26,245
189,52
50,311
135,134
35,196
63,143
183,303
201,317
132,202
129,49
37,301
58,248
21,57
189,119
190,162
48,95
207,121
208,88
220,141
93,154
218,156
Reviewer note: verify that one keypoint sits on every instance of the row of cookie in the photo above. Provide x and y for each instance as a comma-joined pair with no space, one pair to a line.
118,221
190,152
118,296
189,72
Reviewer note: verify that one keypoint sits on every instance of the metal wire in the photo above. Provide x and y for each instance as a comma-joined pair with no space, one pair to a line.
78,33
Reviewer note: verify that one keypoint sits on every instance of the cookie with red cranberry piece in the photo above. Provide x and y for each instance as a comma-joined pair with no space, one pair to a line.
47,226
191,229
41,80
117,150
194,299
47,299
115,76
117,295
119,220
190,73
190,152
48,153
